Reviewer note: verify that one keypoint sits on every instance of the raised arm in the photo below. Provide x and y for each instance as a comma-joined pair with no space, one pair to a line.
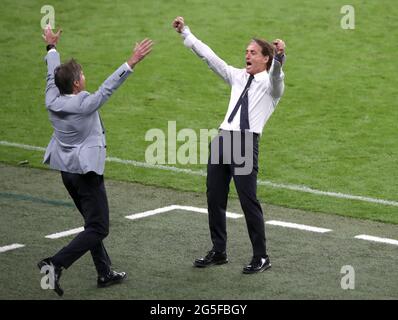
204,52
94,101
53,60
276,73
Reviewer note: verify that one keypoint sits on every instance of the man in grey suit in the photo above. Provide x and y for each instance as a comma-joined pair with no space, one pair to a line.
77,150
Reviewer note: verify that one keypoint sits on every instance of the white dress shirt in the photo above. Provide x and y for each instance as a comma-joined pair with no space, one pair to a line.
264,93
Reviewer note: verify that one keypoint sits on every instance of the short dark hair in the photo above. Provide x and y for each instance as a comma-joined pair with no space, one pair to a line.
66,74
267,49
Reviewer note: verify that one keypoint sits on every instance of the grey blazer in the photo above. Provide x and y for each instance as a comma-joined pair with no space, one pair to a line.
78,142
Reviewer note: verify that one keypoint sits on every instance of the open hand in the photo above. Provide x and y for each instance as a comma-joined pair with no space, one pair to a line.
51,37
141,50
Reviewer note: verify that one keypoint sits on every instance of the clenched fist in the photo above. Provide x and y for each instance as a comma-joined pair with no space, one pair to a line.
279,46
178,24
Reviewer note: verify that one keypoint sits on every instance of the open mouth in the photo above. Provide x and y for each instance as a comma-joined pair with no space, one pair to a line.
248,63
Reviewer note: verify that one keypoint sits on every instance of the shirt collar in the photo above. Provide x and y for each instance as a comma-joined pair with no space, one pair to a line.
261,75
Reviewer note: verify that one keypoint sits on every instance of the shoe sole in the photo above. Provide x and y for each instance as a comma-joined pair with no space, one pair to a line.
112,283
197,265
258,271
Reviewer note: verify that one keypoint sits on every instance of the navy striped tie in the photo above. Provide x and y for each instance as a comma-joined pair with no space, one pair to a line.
244,112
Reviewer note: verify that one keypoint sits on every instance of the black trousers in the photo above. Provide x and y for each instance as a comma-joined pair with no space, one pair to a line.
219,176
89,194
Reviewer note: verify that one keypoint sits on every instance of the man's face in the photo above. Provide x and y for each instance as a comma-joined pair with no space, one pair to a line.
255,61
81,84
82,81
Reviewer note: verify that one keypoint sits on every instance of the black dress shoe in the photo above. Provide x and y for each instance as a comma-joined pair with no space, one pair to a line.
257,265
55,271
111,278
212,258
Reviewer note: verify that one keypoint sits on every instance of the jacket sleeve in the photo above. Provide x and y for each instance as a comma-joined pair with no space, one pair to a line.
215,63
277,79
53,60
93,102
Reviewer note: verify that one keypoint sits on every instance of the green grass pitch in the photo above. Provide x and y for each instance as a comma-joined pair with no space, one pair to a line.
334,129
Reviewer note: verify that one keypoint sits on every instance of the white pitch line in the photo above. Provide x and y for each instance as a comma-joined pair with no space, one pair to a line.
144,214
285,186
11,247
64,233
150,212
21,146
377,239
327,193
156,166
297,226
203,210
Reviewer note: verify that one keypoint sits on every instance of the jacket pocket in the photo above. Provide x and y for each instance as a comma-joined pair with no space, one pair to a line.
92,158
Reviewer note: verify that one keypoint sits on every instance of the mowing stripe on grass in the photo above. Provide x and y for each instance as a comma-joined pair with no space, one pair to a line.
25,197
297,226
376,239
148,213
271,184
11,247
64,233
